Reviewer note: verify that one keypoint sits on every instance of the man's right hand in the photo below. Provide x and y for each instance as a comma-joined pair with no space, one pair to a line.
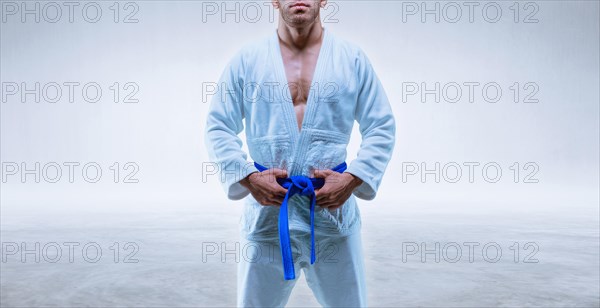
264,187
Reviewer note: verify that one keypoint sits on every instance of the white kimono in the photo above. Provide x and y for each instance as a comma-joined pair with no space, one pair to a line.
253,93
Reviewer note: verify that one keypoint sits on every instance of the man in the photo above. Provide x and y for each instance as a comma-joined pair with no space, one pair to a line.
300,91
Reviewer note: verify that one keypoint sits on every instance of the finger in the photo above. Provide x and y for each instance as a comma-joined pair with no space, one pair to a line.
279,195
319,192
279,173
321,173
314,171
265,202
322,196
280,190
325,205
278,200
319,199
271,200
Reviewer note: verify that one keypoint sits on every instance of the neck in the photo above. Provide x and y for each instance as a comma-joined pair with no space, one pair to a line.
300,38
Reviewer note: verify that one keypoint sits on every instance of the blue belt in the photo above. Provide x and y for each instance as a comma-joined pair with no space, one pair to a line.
305,186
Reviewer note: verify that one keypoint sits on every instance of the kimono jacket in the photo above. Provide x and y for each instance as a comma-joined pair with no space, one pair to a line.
253,93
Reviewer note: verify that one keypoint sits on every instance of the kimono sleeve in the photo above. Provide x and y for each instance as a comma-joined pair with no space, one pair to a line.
223,125
378,130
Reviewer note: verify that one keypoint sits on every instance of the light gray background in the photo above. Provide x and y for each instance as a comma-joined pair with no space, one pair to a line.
170,52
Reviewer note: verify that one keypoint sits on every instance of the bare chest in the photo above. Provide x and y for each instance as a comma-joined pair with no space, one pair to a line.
299,71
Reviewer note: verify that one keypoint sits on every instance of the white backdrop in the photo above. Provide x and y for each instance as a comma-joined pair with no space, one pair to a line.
541,133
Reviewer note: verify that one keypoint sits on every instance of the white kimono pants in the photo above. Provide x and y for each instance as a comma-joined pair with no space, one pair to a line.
336,278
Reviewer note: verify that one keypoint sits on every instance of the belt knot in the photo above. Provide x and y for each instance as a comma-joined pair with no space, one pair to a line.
304,184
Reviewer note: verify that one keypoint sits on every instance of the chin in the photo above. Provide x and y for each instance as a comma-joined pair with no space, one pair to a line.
300,21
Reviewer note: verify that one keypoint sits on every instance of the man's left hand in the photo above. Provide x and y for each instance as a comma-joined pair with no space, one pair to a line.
337,189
